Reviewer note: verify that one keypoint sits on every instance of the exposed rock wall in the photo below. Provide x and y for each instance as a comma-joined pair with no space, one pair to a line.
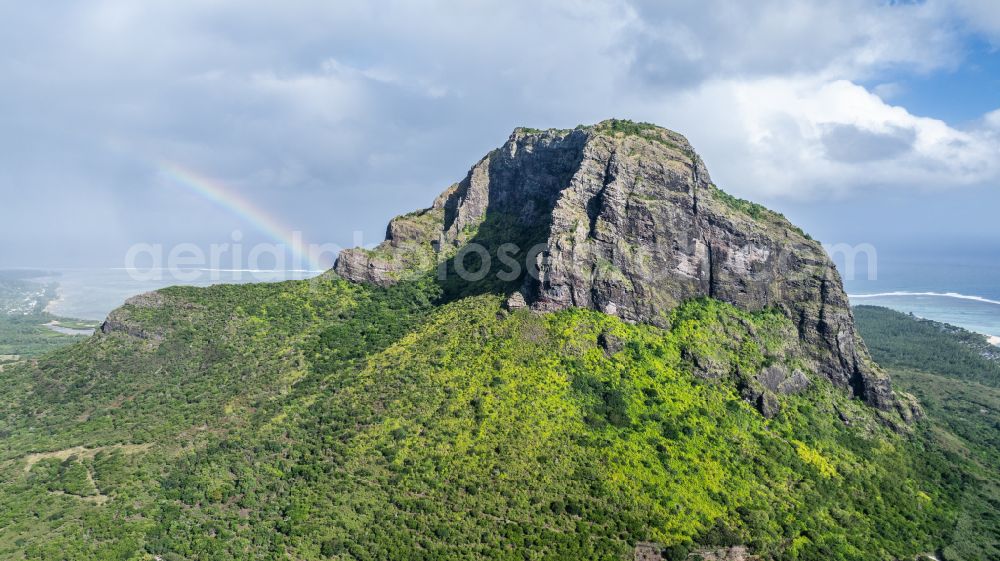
630,224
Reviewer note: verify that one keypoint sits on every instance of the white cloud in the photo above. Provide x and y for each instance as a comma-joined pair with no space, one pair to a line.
888,90
331,97
992,119
698,39
786,130
367,110
980,15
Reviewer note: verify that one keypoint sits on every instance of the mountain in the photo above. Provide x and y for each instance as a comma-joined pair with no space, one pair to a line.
623,218
584,350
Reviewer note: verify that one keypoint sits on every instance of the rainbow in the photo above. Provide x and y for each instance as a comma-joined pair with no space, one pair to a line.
223,196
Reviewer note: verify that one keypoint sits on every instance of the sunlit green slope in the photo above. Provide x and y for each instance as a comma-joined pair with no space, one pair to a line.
330,420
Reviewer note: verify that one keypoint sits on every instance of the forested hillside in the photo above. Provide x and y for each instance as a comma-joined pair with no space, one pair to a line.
671,373
954,373
900,340
328,419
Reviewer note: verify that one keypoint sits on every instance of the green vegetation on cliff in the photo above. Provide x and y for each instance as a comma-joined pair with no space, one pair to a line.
331,420
690,388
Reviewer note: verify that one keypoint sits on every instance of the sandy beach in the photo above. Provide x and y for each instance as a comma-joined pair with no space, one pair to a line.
50,308
994,340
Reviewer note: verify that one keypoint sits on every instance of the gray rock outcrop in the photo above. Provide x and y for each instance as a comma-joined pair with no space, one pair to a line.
623,218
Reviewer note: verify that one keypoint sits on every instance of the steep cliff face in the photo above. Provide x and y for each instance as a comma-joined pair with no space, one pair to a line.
623,218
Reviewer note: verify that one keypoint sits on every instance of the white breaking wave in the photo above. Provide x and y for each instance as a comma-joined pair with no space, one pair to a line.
273,271
205,270
955,295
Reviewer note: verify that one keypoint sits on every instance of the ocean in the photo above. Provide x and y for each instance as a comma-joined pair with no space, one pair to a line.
92,293
960,287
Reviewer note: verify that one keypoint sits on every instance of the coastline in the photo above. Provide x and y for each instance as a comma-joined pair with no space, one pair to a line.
907,293
51,305
977,314
888,299
91,294
54,326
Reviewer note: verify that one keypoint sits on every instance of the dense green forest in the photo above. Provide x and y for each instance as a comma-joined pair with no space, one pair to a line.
898,340
956,375
330,420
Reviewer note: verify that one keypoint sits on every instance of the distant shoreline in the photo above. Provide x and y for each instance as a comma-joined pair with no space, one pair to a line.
988,328
903,293
49,307
53,306
54,326
90,294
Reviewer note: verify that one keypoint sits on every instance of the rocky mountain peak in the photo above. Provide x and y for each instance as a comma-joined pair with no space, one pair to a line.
623,218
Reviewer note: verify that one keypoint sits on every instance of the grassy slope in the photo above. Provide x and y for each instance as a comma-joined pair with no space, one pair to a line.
329,420
956,376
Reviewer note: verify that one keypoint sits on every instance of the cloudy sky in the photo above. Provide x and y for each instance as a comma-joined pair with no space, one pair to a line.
863,121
